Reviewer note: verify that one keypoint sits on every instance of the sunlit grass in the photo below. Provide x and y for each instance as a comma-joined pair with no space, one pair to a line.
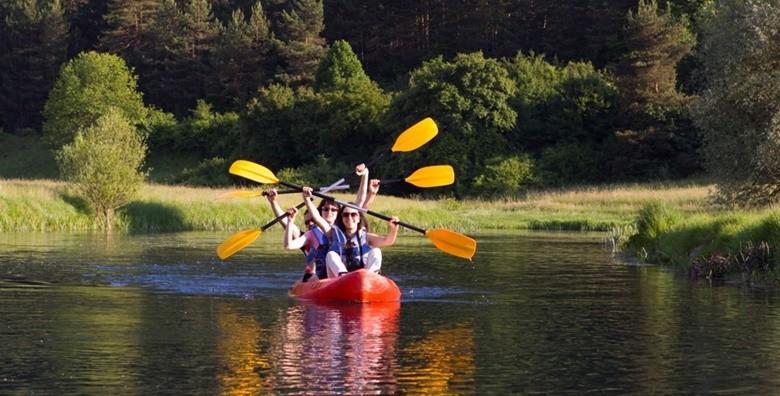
51,205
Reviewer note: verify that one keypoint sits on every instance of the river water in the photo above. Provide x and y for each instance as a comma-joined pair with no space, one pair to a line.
533,313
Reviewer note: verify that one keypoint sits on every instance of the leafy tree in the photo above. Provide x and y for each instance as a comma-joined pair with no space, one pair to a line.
88,85
340,68
104,162
469,97
739,112
33,43
300,45
505,176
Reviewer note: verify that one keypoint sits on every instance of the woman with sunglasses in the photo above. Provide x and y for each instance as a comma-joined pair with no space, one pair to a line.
353,247
315,241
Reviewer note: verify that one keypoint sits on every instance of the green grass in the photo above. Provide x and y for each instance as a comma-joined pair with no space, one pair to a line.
49,205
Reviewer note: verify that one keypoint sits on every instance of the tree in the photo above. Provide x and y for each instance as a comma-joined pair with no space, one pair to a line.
89,84
242,56
180,70
300,45
739,112
33,44
128,24
104,163
340,68
469,98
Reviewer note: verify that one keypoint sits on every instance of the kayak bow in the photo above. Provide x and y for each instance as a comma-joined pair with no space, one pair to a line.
357,286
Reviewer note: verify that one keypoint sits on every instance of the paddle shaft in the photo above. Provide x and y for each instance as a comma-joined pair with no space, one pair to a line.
353,206
334,186
341,187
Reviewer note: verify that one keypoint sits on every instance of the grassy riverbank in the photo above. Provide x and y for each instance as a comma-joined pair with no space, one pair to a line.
36,205
710,245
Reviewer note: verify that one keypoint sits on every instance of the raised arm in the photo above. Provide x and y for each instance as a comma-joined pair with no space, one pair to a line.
373,191
315,214
271,196
361,171
387,240
292,236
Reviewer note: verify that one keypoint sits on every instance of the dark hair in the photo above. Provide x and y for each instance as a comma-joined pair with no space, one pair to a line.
326,202
340,220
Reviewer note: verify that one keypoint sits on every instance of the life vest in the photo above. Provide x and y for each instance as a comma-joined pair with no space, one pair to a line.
351,256
317,256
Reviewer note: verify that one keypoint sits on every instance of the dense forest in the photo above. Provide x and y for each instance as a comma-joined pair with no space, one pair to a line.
524,92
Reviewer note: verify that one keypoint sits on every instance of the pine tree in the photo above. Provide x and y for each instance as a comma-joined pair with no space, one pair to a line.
241,57
180,68
300,45
128,24
33,43
656,42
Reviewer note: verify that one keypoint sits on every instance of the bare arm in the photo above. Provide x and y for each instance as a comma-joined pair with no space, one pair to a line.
375,240
271,196
315,214
373,191
361,171
292,236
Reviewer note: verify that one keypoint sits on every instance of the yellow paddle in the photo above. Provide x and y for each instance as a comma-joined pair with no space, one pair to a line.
412,138
445,240
429,176
426,177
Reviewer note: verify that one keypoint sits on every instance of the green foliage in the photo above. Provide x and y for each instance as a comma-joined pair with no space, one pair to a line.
739,112
340,69
104,162
469,98
88,85
505,176
241,57
573,104
300,45
33,44
211,173
568,163
322,172
204,133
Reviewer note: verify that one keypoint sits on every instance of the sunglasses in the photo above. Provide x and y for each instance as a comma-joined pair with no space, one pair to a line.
329,209
350,214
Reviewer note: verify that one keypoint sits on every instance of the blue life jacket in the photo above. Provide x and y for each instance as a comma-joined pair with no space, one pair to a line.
351,256
318,255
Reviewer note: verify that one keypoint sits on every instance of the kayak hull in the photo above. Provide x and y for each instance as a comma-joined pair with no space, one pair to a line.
358,286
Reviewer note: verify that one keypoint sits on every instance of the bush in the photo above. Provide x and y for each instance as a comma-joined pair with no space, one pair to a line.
568,162
211,173
320,173
504,176
104,162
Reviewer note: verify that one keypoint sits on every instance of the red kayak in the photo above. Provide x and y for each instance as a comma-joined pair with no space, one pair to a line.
356,286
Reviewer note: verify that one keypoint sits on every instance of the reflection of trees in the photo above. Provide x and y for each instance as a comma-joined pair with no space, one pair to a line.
438,359
238,342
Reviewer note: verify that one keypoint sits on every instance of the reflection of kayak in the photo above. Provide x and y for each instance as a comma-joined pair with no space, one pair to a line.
356,286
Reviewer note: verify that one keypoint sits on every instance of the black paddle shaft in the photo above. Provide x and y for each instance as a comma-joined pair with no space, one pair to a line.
353,206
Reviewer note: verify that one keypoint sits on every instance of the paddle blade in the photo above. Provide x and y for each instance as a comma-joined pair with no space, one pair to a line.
253,171
432,176
416,135
239,194
453,243
236,242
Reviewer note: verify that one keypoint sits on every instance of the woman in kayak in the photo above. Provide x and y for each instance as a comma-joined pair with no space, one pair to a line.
353,247
315,241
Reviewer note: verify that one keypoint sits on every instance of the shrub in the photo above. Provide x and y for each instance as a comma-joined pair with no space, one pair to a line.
104,162
504,176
